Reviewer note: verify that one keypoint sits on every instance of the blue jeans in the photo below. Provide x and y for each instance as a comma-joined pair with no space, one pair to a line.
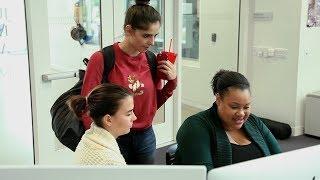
138,147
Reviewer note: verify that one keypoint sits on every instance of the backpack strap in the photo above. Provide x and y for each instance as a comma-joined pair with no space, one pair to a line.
109,59
152,61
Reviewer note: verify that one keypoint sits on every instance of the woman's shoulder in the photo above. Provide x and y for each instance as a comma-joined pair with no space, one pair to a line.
98,156
253,119
197,121
98,55
199,117
195,128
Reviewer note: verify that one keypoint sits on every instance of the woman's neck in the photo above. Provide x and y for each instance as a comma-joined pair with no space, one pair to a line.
126,47
110,130
114,134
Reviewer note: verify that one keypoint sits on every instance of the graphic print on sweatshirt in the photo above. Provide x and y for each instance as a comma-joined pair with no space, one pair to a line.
135,85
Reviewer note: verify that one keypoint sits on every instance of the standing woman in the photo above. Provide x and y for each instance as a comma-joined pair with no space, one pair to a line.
131,70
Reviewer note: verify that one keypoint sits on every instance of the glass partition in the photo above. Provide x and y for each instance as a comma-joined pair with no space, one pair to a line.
190,30
15,100
91,20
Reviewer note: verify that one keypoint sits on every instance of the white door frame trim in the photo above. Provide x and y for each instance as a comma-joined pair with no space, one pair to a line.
245,43
246,35
38,48
177,29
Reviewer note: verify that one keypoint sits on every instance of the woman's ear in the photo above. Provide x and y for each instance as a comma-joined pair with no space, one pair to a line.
128,30
218,99
107,120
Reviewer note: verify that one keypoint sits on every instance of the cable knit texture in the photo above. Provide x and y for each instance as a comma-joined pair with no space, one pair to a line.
98,147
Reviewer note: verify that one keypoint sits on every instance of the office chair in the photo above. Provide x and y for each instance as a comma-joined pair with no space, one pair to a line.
170,154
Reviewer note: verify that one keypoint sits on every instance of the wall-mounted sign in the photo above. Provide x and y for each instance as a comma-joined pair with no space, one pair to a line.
263,16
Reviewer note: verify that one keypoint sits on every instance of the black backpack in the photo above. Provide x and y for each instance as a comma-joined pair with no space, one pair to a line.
67,127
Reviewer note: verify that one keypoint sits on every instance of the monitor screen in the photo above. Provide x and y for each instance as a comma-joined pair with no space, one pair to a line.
294,165
131,172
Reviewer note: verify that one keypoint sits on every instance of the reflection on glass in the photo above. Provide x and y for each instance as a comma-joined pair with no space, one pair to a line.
90,20
3,28
15,99
8,25
3,22
190,30
159,42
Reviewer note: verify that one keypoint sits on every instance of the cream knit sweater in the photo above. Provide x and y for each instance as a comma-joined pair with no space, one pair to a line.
98,147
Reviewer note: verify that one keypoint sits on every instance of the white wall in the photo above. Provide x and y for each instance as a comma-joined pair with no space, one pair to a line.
274,80
280,85
220,17
309,64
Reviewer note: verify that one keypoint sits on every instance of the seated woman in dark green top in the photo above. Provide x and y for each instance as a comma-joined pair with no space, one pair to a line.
226,133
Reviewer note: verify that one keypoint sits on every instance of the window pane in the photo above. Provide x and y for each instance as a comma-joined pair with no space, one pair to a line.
15,99
190,30
91,20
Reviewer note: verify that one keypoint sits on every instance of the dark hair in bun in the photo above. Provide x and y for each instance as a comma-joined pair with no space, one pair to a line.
225,79
142,2
103,99
141,15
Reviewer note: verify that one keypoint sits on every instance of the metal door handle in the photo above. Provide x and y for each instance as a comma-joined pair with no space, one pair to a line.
61,75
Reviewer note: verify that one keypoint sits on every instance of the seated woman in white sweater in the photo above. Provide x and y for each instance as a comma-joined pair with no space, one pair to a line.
111,109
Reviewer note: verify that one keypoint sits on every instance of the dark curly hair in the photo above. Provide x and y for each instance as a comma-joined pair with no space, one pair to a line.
224,79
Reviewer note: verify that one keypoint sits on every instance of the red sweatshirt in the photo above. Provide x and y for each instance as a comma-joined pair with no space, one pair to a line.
133,73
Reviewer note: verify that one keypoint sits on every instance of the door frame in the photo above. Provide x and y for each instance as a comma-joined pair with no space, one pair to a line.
245,43
177,47
246,29
38,48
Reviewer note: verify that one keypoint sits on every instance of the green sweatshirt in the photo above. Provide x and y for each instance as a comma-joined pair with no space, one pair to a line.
203,141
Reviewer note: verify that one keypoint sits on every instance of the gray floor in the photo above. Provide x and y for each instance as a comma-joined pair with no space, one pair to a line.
290,144
298,142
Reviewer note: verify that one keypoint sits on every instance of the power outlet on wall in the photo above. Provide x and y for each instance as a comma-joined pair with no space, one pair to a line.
262,52
269,52
281,53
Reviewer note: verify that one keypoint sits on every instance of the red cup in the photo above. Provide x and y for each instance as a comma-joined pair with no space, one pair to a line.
164,56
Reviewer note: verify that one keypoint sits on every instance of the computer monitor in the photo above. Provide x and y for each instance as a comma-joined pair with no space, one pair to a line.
294,165
131,172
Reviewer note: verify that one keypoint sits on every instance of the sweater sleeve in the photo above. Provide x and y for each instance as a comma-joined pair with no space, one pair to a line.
92,78
166,92
194,144
271,141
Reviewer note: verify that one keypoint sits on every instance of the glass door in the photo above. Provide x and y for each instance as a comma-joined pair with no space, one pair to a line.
55,51
15,100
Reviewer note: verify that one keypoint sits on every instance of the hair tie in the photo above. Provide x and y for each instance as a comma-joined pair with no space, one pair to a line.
86,107
142,3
